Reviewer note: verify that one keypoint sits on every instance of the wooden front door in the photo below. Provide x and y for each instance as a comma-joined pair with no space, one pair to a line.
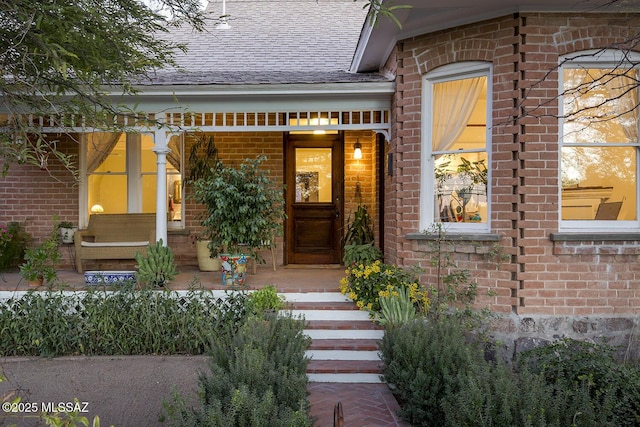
314,178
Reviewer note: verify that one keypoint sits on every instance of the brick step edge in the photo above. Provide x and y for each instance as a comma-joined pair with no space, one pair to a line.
342,324
344,367
344,344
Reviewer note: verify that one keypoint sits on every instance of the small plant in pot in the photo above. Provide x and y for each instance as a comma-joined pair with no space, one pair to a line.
203,164
39,264
359,239
244,208
66,230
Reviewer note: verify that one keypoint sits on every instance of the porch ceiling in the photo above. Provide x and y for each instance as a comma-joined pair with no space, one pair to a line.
377,41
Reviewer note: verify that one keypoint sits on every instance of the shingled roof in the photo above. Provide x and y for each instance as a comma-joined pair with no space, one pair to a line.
271,42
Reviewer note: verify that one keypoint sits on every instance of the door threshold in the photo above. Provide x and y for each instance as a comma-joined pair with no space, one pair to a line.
314,266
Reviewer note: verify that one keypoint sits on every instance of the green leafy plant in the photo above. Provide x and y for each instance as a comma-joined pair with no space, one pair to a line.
203,160
574,367
396,308
13,242
364,283
244,207
158,267
360,228
40,261
423,361
258,378
366,253
124,321
264,300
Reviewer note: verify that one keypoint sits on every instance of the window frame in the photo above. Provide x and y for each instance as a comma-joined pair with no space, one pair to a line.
133,172
595,59
450,72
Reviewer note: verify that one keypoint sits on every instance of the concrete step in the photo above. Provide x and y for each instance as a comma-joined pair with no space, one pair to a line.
344,339
337,315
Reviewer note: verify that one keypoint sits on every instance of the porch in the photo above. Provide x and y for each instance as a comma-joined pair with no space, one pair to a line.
316,278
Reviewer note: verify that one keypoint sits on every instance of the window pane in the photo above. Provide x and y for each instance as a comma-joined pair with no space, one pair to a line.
109,192
459,114
600,105
596,177
148,193
313,175
105,157
148,157
461,187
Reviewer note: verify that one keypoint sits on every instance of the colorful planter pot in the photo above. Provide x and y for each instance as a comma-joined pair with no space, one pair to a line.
234,269
109,277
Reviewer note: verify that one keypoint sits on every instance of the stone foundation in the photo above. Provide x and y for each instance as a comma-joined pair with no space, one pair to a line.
515,334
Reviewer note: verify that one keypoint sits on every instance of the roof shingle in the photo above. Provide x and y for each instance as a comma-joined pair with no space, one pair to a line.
271,42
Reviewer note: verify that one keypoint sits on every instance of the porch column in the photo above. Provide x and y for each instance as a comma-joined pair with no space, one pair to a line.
161,149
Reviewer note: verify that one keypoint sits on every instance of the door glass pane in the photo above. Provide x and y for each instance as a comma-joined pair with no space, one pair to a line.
313,175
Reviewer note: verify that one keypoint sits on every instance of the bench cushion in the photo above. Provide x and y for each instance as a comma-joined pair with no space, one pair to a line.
107,244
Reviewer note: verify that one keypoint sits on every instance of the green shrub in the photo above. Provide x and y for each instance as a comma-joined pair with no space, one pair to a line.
577,368
258,378
366,253
424,361
122,322
13,242
264,300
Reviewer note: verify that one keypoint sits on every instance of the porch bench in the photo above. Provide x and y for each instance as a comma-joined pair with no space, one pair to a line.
114,236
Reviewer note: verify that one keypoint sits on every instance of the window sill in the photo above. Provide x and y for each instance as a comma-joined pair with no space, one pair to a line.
457,236
590,237
178,231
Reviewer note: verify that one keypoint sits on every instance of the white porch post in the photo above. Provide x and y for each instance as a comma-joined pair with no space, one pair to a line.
161,149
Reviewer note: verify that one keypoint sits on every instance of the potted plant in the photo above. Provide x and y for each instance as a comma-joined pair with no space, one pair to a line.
358,240
66,230
244,208
203,164
40,261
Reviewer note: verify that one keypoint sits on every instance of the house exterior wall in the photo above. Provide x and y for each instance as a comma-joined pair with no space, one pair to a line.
536,277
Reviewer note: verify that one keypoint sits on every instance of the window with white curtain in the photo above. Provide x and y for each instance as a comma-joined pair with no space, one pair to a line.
455,155
120,175
599,142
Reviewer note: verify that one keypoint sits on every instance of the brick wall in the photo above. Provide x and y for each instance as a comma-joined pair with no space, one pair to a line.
536,277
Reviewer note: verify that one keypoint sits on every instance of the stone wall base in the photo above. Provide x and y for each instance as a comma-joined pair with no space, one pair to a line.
514,334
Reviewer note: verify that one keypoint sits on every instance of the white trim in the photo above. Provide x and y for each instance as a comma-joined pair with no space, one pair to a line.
450,72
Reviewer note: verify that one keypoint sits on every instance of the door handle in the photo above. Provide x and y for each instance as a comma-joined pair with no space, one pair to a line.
337,213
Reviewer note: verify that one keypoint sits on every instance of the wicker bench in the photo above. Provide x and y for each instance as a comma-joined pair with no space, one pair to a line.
114,236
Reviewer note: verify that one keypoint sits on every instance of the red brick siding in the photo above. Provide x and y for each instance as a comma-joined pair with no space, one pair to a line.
537,278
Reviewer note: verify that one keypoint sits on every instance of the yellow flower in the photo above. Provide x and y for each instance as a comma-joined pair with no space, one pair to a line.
360,304
353,295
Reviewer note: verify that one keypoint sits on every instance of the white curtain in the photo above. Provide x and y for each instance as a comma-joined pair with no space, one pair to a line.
453,104
99,146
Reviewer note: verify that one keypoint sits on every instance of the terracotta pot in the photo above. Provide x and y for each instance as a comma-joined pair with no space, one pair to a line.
37,282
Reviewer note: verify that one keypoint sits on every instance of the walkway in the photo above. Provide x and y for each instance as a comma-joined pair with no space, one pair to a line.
363,405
